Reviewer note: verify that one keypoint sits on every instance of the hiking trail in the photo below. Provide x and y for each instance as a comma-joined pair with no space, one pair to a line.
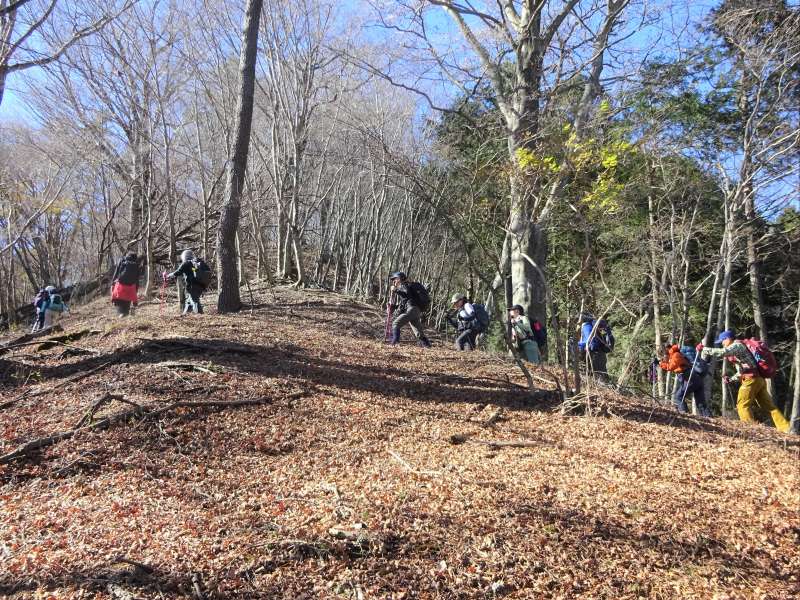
286,451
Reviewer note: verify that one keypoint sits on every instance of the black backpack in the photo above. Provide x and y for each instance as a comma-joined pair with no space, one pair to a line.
202,272
41,298
481,316
419,295
128,272
539,333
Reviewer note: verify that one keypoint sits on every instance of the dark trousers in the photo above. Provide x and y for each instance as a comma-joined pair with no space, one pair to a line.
193,293
466,340
597,364
688,387
123,307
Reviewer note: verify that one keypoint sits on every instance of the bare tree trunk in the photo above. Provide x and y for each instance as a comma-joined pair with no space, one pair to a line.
723,312
795,419
227,271
630,353
656,285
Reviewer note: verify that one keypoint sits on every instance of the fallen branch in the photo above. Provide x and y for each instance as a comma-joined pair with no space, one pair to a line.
89,414
584,404
49,344
461,438
408,467
28,337
211,346
84,374
196,585
188,367
13,401
139,411
508,444
70,337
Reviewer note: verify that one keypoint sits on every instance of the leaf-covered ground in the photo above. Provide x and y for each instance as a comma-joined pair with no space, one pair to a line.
346,482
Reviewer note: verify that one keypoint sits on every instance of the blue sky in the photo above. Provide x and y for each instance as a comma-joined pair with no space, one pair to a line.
674,30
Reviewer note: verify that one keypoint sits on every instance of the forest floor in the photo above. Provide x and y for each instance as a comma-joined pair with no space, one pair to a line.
349,469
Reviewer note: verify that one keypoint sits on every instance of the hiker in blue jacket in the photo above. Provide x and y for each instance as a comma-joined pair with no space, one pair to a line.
597,344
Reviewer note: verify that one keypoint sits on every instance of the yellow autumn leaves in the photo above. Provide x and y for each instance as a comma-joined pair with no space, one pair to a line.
594,167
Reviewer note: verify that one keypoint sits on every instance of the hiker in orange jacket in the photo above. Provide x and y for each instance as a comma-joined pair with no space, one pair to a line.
690,380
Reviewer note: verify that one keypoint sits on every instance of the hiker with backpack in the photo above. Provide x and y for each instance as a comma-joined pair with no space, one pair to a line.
522,335
407,301
125,284
754,363
40,305
597,340
49,307
689,370
197,275
540,335
471,320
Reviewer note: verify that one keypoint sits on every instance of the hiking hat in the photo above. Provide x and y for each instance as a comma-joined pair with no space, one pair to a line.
398,275
728,334
187,255
517,307
457,297
50,289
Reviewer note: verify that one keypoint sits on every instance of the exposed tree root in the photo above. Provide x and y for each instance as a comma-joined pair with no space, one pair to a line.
140,412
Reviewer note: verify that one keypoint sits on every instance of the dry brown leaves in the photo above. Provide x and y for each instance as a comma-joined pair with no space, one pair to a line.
354,489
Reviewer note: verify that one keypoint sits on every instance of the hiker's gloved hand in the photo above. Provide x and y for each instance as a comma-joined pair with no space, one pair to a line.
726,379
699,347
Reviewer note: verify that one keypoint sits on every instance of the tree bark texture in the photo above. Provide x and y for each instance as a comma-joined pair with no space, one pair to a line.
227,264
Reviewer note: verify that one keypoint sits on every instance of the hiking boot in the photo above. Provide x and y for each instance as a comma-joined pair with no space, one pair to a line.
424,342
395,336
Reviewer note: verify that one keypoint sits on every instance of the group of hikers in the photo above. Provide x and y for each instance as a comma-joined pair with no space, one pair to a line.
752,359
195,273
408,301
48,306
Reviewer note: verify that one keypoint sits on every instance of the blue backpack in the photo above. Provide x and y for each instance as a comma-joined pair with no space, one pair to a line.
690,354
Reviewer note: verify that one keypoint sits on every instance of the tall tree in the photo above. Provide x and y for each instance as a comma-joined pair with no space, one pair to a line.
529,51
227,263
32,31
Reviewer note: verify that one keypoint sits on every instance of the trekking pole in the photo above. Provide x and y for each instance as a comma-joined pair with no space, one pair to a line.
691,372
387,334
163,292
388,329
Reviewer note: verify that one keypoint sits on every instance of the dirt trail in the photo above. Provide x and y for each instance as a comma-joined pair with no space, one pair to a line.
366,472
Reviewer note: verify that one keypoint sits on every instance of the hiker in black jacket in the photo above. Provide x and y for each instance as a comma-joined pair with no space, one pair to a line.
405,307
193,288
125,284
466,322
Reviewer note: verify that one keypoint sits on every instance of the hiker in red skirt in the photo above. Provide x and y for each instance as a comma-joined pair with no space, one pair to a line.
125,284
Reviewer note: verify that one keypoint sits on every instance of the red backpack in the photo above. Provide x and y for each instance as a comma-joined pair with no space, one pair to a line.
767,365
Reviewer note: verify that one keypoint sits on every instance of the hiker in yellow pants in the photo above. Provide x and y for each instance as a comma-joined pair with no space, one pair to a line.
753,389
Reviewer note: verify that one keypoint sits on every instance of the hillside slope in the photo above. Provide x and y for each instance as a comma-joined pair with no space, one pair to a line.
354,470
